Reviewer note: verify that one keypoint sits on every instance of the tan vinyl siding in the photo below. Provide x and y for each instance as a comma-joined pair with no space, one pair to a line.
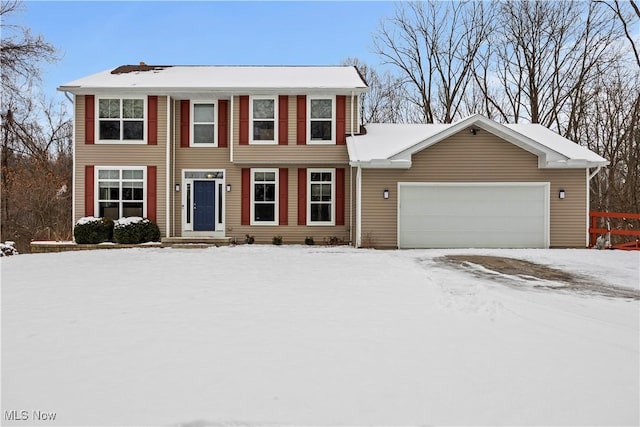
290,154
291,233
199,158
121,155
480,158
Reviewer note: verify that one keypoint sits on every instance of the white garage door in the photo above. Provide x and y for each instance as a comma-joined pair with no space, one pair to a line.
473,215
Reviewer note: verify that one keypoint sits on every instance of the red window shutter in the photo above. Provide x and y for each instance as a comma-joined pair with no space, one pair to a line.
185,106
283,196
302,196
89,119
301,128
152,176
340,202
245,208
341,113
152,120
283,120
88,190
244,120
223,123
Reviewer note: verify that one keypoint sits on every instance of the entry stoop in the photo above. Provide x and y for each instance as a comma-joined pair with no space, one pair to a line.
195,242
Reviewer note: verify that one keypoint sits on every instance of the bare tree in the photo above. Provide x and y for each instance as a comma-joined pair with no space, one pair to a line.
35,141
433,45
384,102
628,17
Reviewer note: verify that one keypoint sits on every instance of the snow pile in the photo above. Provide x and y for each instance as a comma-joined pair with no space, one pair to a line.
123,222
88,219
8,248
309,335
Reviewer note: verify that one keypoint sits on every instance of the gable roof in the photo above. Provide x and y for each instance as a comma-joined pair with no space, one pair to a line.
170,79
392,145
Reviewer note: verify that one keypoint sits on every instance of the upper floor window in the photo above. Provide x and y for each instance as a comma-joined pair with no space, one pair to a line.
203,124
120,191
121,119
321,126
263,116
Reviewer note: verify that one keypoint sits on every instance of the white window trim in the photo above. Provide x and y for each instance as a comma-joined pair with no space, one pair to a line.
333,197
275,121
96,187
276,219
192,122
333,120
96,113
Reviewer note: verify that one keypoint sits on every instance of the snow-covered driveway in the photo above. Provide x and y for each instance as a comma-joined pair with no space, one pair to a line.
313,336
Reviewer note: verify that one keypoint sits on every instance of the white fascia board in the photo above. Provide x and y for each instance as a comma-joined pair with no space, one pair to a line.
185,92
382,164
573,164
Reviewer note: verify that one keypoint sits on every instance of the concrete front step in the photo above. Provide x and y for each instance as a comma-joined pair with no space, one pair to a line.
195,242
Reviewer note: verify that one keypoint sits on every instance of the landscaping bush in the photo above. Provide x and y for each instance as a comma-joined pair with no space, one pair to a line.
8,248
309,241
277,240
249,239
134,230
92,230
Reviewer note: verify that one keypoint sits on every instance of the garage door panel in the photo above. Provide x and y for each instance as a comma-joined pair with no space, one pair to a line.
473,215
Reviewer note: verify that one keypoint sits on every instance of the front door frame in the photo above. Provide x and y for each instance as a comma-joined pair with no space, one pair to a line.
218,176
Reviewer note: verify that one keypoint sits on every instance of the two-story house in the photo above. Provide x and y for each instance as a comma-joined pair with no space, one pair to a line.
218,151
225,152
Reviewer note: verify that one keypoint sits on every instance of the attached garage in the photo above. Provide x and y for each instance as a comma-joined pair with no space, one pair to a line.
467,215
473,183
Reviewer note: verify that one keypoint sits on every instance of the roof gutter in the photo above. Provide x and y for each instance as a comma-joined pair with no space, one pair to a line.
382,164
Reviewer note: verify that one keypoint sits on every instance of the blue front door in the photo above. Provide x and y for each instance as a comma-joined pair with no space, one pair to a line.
204,205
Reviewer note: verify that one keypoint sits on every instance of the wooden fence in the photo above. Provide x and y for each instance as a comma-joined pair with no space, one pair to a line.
624,225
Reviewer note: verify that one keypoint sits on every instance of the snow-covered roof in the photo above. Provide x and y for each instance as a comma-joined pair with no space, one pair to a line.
172,79
392,145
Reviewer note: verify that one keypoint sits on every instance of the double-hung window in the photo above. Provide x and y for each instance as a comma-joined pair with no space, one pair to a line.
203,124
321,196
121,119
263,116
264,195
120,191
321,126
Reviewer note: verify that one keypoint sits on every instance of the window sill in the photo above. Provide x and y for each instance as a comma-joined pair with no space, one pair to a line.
120,142
316,142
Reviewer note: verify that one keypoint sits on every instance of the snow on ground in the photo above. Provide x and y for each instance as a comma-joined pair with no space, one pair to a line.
314,336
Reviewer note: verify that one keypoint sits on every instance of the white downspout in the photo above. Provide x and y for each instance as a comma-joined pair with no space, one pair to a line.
351,185
589,178
231,132
73,162
356,243
167,230
173,166
358,207
595,173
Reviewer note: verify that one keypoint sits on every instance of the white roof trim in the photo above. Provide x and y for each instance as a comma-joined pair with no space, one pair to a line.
222,79
552,150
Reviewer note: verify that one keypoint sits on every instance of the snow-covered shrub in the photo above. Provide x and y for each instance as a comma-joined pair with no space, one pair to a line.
92,230
7,248
134,230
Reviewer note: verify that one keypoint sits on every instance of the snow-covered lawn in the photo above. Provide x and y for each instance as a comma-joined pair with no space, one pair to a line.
314,336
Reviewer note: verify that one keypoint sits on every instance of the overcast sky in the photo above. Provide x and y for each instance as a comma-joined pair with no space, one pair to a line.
95,36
